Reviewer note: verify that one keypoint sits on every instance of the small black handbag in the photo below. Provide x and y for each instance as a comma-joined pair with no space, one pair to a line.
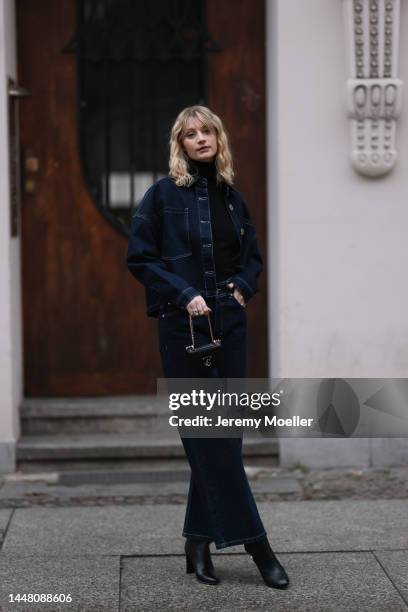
206,352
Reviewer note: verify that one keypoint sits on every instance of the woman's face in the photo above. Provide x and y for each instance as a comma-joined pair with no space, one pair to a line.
199,141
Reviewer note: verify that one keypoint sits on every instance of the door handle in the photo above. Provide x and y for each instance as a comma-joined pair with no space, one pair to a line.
17,91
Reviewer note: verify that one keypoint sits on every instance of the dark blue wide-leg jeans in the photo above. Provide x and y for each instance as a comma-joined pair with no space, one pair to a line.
220,505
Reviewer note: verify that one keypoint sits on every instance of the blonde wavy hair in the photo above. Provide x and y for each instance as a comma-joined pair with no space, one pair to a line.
179,160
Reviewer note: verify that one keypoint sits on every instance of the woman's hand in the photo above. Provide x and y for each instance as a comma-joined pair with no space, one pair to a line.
198,306
237,294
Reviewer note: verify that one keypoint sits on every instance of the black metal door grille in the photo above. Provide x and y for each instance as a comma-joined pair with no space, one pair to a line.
139,63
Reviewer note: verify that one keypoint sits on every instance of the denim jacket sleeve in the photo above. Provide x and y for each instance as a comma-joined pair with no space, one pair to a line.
143,255
246,279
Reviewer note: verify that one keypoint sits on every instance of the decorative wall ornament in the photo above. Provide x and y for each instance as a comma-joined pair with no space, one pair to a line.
374,93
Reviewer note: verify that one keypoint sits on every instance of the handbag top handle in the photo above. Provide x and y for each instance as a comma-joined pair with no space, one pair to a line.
192,329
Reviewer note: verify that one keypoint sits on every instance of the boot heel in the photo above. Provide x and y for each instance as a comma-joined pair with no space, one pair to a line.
189,565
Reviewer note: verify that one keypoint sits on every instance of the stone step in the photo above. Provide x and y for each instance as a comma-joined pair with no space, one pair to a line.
118,477
141,414
33,467
103,446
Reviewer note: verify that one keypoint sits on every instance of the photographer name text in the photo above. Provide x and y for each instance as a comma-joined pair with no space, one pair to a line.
266,421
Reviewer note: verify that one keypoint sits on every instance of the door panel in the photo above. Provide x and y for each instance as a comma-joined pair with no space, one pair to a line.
237,94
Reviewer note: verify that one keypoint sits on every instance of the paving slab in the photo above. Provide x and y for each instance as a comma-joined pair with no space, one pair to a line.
395,564
92,582
108,530
303,526
4,521
337,524
320,582
4,518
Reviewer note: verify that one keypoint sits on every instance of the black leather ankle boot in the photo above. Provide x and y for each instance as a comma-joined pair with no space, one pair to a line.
271,570
198,560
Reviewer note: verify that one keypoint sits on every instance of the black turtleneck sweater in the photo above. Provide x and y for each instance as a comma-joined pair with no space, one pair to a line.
226,244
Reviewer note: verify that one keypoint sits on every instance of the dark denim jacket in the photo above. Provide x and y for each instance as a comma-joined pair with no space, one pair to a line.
171,246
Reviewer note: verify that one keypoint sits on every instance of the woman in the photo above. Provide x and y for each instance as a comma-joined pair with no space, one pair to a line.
194,248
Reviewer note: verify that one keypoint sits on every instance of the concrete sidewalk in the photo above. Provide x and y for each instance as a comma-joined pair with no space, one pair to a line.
340,555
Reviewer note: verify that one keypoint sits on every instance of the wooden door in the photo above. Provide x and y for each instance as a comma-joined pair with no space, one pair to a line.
85,327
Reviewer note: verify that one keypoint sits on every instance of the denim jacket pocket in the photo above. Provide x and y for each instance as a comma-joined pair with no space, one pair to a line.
176,234
235,301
